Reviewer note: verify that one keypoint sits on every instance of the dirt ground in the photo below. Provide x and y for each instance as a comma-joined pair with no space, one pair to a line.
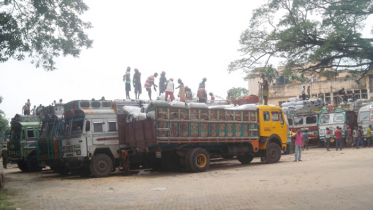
322,180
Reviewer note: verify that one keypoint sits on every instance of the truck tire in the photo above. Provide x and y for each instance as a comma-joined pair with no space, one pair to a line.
32,164
22,166
246,159
186,160
199,160
101,165
273,153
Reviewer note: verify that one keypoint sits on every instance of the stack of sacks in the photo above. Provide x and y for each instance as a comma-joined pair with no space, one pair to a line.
161,97
197,105
143,108
221,106
179,104
243,107
152,105
133,114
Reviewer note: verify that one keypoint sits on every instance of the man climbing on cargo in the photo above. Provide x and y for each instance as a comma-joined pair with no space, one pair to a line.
127,80
4,155
188,93
212,97
24,109
137,83
182,90
265,89
229,99
162,83
298,145
170,89
202,94
202,83
149,83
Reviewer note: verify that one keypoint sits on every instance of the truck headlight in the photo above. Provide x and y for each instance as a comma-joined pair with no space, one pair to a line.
78,152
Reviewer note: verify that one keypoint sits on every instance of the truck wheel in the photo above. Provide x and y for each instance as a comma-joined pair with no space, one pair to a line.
22,166
32,164
273,153
186,160
199,160
101,165
246,159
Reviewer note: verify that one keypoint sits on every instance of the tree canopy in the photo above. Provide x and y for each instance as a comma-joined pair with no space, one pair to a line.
42,30
268,72
309,36
236,92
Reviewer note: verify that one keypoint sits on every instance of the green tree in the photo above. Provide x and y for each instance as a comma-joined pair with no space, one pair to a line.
236,92
3,121
323,33
43,30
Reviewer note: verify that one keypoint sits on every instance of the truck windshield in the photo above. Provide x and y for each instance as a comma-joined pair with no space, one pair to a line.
324,118
77,125
364,116
332,118
339,118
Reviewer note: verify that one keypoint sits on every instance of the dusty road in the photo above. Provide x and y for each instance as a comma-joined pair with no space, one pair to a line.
323,180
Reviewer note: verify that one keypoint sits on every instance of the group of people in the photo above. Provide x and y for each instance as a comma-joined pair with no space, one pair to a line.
26,109
166,87
354,137
303,91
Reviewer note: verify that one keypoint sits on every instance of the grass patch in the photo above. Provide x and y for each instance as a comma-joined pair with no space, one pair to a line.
4,204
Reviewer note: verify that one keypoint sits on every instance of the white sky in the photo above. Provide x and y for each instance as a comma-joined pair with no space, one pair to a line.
187,39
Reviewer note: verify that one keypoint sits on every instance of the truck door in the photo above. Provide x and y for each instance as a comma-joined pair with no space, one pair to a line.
279,126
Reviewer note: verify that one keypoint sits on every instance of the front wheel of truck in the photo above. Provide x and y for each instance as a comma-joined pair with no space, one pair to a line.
101,165
22,166
199,160
33,164
273,153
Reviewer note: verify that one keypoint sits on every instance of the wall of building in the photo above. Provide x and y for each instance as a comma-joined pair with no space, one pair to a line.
253,86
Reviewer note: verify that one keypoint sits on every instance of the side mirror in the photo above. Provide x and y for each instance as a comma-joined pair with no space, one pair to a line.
87,126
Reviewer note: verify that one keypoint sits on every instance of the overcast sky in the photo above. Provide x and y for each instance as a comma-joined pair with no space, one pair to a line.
186,39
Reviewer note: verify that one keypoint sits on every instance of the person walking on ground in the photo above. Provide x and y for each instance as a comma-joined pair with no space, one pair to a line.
170,89
182,90
4,155
303,93
328,136
212,97
308,92
162,83
149,83
298,145
127,80
369,136
349,137
305,140
338,138
360,138
355,135
137,83
202,94
188,93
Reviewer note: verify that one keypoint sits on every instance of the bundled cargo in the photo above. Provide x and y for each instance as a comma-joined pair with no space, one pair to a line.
152,105
221,106
197,105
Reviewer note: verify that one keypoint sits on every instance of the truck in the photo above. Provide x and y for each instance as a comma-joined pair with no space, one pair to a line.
22,145
333,117
365,117
171,137
307,122
49,140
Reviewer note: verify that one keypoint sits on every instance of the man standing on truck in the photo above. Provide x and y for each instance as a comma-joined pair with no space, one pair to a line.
162,83
303,93
338,138
149,83
265,90
170,89
298,145
202,94
4,155
137,83
127,80
369,136
188,93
